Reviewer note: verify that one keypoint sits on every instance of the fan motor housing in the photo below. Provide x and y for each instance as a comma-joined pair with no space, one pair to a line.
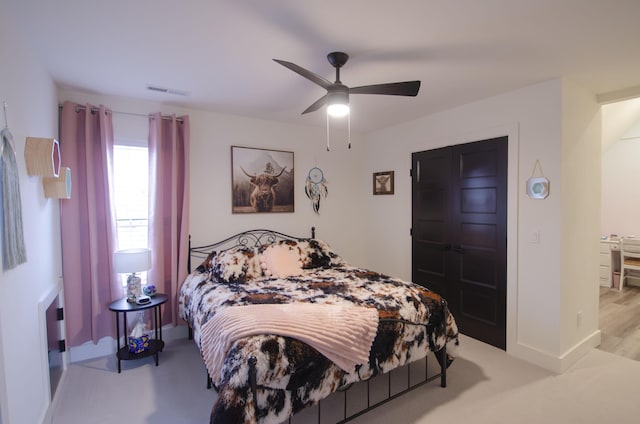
338,93
337,59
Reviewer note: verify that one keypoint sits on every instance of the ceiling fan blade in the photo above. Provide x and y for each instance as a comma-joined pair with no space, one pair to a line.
322,82
407,88
316,105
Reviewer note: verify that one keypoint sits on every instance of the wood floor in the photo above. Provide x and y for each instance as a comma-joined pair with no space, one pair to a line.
620,321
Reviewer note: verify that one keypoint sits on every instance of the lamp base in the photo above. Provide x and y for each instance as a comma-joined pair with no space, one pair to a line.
134,288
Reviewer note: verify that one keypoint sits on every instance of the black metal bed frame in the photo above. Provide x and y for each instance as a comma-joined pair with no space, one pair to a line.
251,238
256,238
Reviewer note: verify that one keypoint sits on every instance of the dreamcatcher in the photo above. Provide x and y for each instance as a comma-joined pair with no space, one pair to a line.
316,187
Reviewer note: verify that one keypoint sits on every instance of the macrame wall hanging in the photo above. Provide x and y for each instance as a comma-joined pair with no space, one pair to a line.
316,187
13,248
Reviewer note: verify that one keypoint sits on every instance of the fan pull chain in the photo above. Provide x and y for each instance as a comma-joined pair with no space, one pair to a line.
328,149
6,121
349,130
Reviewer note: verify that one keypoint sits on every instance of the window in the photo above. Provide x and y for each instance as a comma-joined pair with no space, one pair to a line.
131,193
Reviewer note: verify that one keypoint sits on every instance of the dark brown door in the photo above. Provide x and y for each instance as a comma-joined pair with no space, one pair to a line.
459,243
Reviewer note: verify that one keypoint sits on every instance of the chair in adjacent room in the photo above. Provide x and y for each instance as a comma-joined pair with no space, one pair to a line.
629,258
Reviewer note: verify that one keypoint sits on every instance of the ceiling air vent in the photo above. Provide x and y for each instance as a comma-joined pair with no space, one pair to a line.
167,90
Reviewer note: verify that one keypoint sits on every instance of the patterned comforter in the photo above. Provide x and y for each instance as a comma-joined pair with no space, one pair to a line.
291,375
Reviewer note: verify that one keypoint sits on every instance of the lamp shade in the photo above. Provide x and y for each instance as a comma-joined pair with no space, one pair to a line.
132,260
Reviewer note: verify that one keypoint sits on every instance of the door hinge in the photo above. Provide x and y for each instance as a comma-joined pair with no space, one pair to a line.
62,345
60,314
411,172
411,232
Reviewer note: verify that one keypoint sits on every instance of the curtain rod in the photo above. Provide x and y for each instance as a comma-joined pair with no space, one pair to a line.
95,109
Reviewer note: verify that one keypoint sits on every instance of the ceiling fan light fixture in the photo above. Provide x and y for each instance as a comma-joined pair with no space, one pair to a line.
337,97
338,110
338,104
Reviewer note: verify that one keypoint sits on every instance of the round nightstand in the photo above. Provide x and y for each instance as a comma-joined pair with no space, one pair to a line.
121,306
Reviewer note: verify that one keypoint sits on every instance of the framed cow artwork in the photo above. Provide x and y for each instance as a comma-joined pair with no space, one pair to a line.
261,180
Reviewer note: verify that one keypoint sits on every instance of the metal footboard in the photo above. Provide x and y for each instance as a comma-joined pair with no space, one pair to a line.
443,383
440,355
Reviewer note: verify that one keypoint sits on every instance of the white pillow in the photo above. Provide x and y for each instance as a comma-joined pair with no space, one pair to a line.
279,261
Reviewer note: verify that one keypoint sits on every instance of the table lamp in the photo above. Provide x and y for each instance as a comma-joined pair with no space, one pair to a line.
131,261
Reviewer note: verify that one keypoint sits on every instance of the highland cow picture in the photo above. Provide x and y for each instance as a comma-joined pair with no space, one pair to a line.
261,180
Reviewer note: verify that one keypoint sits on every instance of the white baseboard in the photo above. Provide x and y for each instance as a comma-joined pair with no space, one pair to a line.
47,415
579,350
56,396
557,364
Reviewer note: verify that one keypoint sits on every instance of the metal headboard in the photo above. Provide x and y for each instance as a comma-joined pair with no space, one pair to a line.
251,238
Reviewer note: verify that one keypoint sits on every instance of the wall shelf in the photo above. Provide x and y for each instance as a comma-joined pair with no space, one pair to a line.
58,187
42,156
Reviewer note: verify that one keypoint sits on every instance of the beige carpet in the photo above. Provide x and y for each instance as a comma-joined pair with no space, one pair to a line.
485,385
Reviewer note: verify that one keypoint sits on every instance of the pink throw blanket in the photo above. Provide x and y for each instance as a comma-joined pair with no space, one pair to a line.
342,333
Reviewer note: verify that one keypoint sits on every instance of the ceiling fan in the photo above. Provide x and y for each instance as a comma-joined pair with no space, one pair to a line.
337,97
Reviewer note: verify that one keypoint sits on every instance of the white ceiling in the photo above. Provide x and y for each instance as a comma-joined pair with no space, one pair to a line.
221,51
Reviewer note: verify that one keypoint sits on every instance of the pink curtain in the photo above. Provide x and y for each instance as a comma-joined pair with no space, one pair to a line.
88,223
168,207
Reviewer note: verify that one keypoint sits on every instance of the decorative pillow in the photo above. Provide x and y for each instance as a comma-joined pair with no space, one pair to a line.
318,254
280,261
207,264
313,253
237,264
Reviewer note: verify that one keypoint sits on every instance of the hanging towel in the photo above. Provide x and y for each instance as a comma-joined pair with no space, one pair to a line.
13,249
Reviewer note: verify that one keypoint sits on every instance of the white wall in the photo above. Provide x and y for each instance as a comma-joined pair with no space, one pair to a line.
620,174
617,120
581,164
31,106
532,118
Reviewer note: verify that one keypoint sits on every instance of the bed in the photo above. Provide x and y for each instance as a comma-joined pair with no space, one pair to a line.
283,322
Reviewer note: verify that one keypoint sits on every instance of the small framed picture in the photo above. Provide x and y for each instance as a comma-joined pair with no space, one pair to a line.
383,182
